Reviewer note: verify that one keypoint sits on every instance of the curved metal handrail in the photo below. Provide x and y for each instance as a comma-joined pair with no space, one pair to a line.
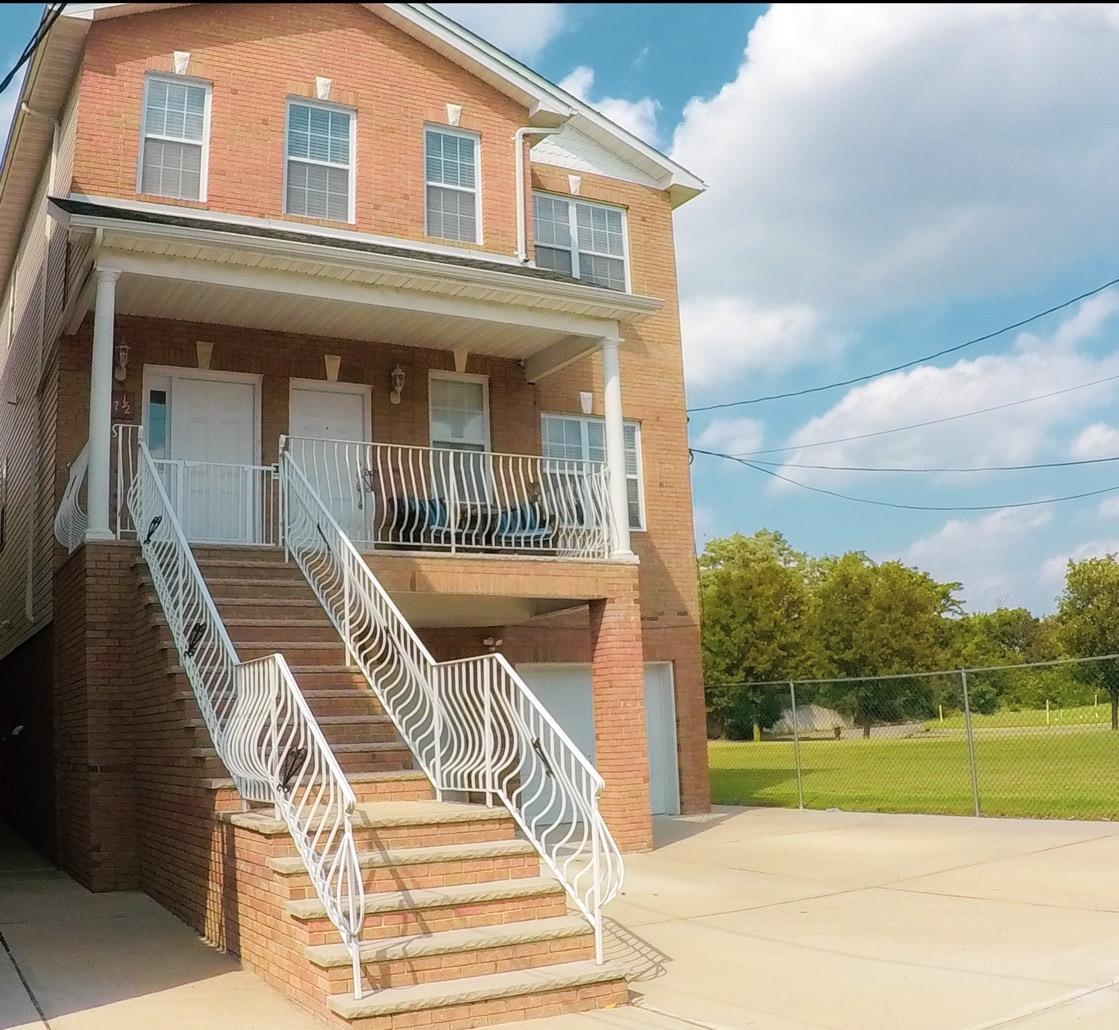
70,520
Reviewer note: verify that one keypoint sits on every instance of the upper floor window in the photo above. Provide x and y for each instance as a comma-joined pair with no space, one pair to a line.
319,172
176,131
580,438
587,241
451,185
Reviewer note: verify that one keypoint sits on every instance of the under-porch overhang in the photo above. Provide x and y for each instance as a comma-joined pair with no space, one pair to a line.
261,275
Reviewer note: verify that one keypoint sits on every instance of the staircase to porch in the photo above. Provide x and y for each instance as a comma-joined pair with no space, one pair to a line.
460,924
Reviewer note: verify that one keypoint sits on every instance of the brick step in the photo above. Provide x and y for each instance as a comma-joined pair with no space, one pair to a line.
383,785
415,868
353,759
231,587
339,730
458,954
249,568
324,704
297,652
220,552
274,608
246,631
494,998
435,909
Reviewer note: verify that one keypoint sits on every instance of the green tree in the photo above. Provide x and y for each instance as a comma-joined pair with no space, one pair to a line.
1088,613
875,620
757,626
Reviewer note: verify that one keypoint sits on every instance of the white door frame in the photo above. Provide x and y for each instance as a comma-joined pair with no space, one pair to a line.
174,372
324,386
673,742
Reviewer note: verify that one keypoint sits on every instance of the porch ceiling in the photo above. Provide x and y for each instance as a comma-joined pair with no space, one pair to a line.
447,611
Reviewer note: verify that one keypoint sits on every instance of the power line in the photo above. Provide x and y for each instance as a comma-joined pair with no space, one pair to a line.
930,422
908,364
974,468
50,16
906,507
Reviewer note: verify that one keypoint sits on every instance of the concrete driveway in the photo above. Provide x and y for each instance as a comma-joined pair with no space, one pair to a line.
761,918
771,918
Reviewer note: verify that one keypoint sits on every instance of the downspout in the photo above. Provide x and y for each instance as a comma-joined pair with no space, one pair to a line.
519,157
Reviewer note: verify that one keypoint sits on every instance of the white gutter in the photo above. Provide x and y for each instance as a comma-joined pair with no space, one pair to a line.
519,157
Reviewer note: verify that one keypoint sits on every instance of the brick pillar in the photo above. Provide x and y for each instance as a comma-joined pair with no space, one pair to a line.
618,682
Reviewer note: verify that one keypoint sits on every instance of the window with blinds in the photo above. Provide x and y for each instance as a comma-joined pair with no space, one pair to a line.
319,178
583,240
580,438
451,185
174,138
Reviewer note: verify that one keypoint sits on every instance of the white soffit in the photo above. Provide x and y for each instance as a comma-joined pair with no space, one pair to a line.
573,149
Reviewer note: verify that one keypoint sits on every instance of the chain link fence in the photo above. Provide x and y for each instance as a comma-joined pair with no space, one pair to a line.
1037,740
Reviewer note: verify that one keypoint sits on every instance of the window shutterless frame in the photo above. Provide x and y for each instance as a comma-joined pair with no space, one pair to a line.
573,205
460,377
443,130
351,167
637,476
204,143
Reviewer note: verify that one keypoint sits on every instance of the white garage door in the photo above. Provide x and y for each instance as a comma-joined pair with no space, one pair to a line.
565,690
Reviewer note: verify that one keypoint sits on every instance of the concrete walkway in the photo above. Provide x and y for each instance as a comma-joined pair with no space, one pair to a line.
756,919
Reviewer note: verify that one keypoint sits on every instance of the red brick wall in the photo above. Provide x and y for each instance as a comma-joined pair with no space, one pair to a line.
256,56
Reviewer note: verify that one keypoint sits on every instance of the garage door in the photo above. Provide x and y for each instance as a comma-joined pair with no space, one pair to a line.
565,690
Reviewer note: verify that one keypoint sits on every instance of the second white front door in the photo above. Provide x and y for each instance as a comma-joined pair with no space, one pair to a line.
329,427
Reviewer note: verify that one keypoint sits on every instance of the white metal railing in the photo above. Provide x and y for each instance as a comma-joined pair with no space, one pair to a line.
472,725
126,437
221,502
430,498
258,720
70,520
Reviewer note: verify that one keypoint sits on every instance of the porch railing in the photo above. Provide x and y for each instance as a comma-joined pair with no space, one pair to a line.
472,725
70,520
428,498
223,503
258,720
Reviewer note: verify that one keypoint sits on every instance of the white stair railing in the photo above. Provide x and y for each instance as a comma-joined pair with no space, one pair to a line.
70,520
259,722
472,725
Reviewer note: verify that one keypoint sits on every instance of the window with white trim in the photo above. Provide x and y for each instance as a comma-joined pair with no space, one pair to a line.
580,239
319,156
451,185
174,138
583,438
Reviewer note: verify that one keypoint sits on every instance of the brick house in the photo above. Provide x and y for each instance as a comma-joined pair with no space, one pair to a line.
331,332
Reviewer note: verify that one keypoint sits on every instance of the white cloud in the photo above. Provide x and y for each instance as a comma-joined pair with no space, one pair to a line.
845,178
1109,508
1053,569
638,116
1013,435
984,554
1098,440
732,435
522,30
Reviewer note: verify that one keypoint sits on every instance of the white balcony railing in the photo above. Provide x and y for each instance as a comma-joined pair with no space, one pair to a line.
391,496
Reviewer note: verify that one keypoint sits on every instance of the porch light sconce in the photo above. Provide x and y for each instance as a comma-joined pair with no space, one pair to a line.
205,351
120,373
492,643
333,363
397,385
586,402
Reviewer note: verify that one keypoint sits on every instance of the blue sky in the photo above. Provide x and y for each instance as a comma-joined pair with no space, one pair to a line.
885,181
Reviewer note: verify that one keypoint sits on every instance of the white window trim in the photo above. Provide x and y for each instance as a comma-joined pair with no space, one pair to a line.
325,386
584,421
573,230
351,200
173,372
461,377
204,177
477,138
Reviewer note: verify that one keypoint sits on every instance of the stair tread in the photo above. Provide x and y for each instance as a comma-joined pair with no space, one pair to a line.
529,931
293,865
437,897
472,989
377,776
423,813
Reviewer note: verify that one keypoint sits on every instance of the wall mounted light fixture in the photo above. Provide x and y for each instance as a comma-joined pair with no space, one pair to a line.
120,373
397,385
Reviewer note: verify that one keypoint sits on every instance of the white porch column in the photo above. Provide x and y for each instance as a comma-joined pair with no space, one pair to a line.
101,406
615,444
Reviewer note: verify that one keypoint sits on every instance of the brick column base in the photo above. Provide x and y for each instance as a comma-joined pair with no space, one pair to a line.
618,682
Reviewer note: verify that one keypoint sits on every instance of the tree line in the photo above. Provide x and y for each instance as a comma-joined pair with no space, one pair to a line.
772,613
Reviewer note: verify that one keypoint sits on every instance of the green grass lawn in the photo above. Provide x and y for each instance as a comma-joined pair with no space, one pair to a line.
1085,715
1063,774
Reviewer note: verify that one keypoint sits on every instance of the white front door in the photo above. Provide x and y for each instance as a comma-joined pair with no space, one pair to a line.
203,433
329,427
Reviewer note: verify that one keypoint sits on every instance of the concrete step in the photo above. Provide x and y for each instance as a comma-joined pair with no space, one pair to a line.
458,954
494,998
436,909
419,868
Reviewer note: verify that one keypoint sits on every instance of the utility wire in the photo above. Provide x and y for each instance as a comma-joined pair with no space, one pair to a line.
974,468
930,422
50,16
907,364
906,507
